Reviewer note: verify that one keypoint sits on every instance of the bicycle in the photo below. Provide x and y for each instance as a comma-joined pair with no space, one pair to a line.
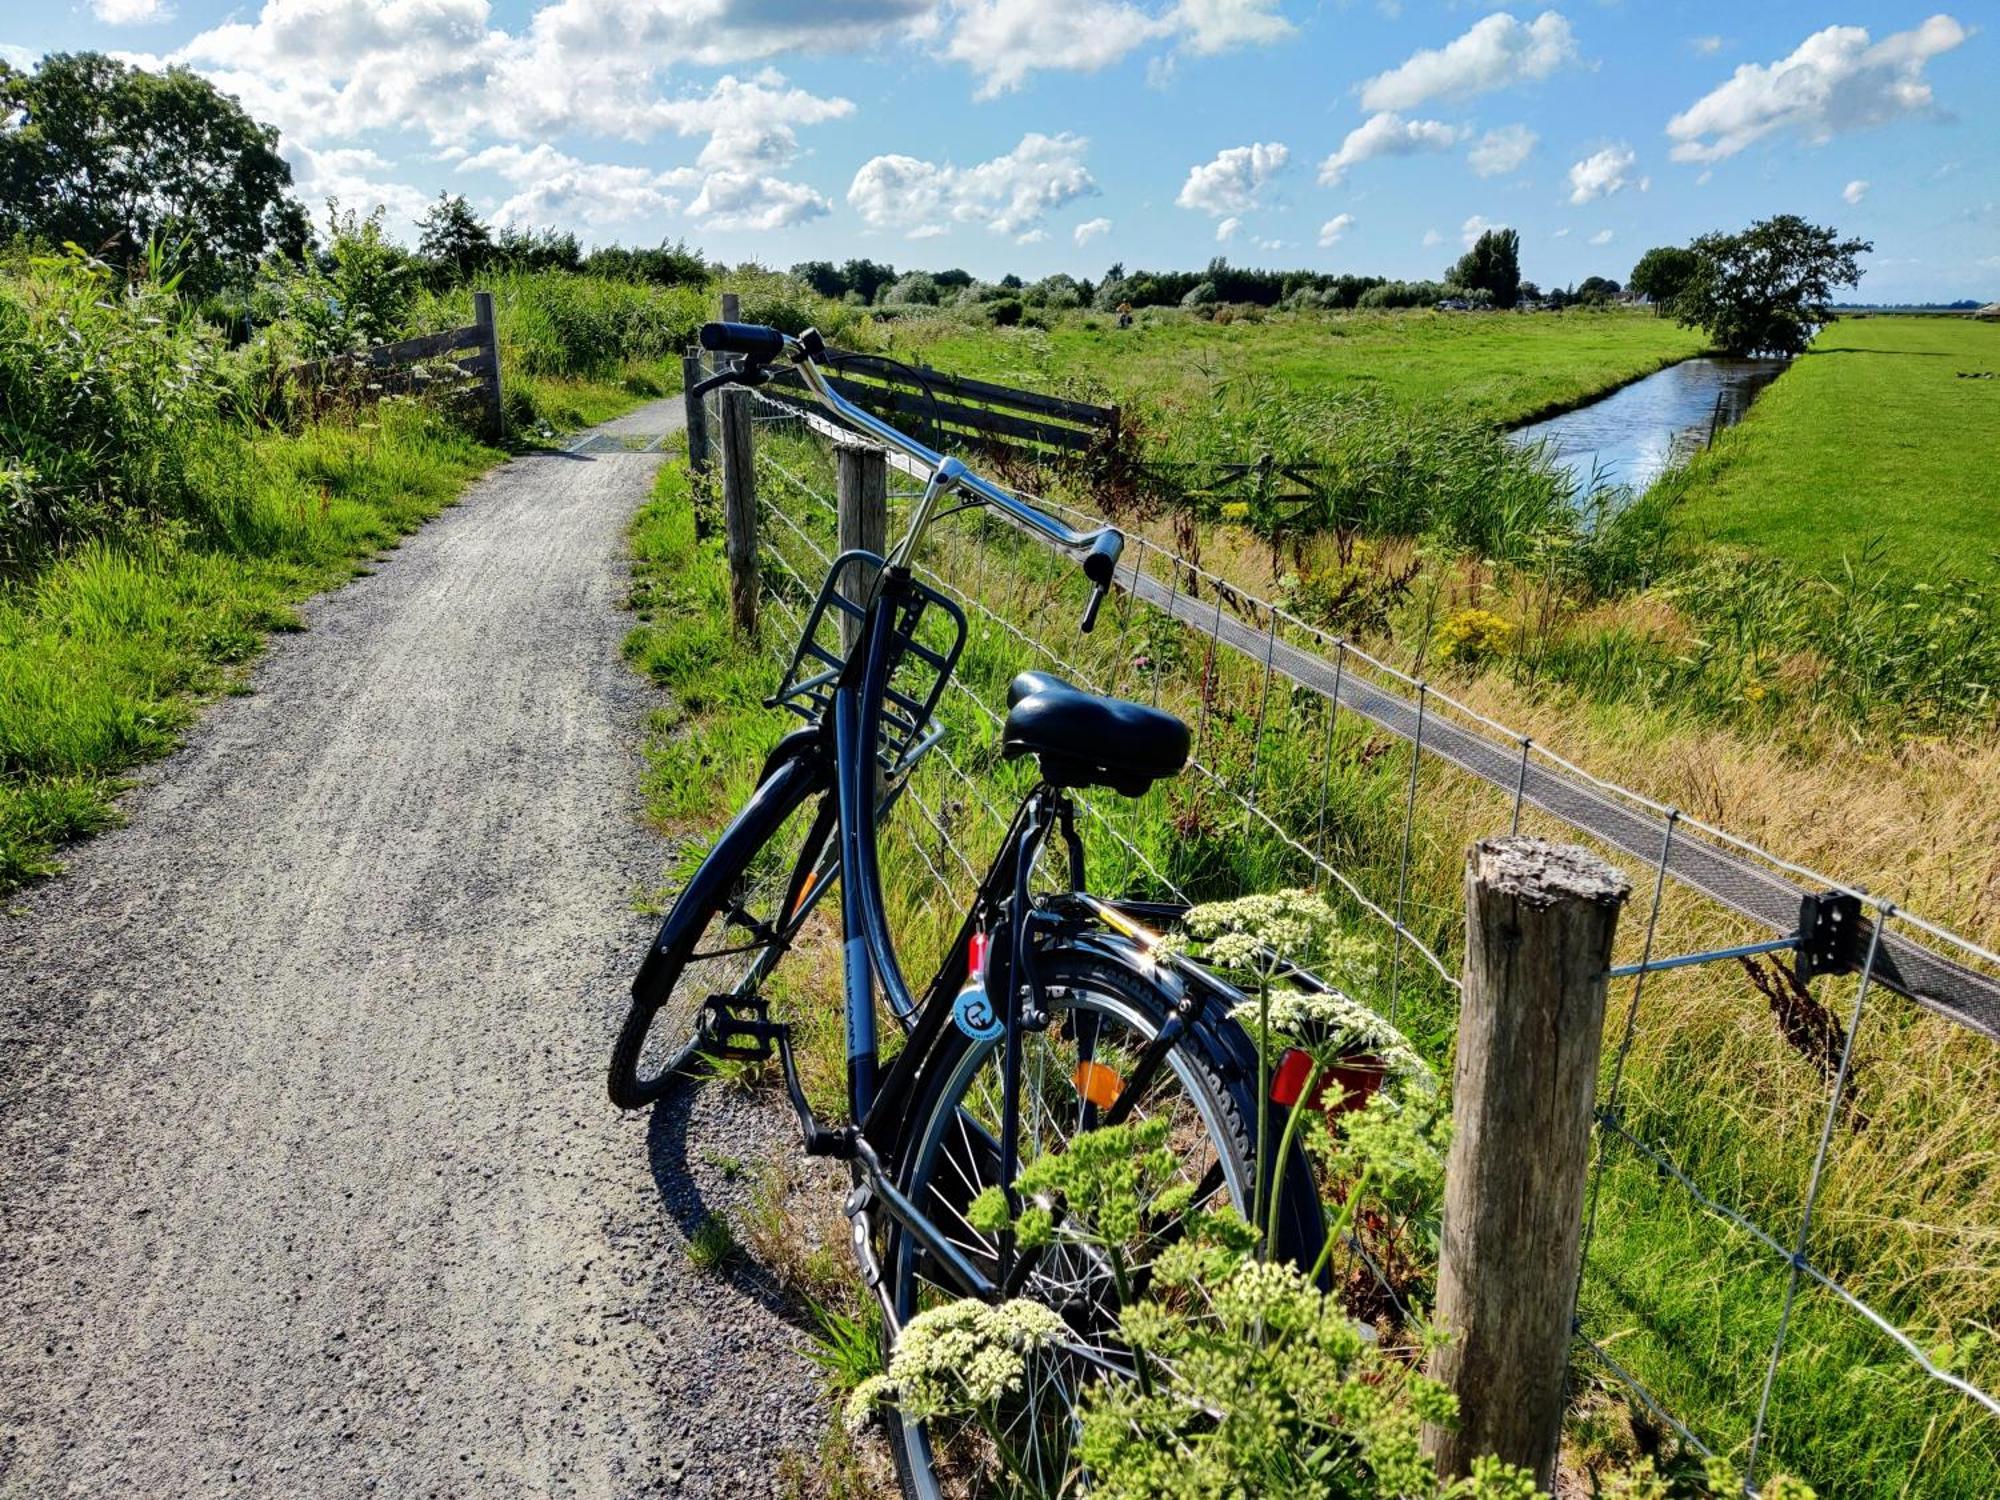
1053,1012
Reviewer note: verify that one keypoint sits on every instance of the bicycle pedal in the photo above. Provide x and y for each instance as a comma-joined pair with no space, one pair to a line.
739,1028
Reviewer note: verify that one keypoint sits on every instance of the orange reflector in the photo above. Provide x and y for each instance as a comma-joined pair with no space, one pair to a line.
1099,1084
805,891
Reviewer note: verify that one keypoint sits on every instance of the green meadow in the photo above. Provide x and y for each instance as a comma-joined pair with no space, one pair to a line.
1499,368
1883,439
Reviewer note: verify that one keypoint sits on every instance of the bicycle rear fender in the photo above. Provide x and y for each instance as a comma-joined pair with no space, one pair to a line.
795,770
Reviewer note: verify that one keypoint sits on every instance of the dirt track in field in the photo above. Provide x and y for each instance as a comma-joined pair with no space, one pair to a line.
309,1183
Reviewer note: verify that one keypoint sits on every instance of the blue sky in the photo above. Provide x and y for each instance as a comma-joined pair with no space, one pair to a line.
1045,135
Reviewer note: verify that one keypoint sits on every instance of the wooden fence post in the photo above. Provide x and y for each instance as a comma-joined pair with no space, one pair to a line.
489,327
739,507
1539,921
701,477
862,474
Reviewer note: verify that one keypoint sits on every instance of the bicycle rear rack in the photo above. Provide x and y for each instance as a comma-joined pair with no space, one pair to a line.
918,668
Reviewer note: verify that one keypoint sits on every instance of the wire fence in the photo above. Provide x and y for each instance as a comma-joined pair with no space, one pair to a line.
1315,762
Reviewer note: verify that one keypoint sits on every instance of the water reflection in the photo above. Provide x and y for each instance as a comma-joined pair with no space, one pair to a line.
1637,433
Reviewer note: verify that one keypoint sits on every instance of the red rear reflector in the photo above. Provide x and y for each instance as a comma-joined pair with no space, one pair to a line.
1288,1081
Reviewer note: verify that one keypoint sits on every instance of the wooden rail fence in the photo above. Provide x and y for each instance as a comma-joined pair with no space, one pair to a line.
954,411
395,367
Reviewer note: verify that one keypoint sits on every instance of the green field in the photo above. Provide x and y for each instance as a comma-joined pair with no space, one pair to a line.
1504,369
1873,439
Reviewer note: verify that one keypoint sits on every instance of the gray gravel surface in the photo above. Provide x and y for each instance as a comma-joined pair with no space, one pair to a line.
309,1183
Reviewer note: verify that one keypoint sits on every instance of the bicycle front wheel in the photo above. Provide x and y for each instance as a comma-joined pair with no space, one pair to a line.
1102,1016
736,916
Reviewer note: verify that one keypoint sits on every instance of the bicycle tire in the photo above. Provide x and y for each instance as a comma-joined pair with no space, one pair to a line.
744,874
1213,1068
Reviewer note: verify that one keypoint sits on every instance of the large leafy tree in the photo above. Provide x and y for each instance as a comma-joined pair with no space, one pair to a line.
454,239
113,157
1493,264
1661,275
1767,289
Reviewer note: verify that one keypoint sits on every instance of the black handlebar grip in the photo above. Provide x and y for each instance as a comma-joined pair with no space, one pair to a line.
1101,561
751,340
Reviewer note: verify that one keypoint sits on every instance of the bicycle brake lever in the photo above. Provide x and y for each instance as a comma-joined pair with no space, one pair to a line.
741,375
1090,610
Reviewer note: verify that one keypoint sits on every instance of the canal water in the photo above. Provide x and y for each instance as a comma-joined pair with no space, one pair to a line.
1634,435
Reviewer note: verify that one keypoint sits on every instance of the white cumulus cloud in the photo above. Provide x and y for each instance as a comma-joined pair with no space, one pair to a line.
1226,230
1602,237
337,68
1836,80
1601,174
1230,183
130,12
1432,237
554,188
1496,52
1856,190
1474,227
1386,134
1335,229
1003,41
1091,229
1010,194
360,178
1217,25
1501,151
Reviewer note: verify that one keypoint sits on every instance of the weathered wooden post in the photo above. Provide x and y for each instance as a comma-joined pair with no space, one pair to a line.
692,375
739,507
489,330
862,474
701,476
1539,920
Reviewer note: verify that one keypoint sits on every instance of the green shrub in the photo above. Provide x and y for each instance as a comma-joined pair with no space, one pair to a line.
105,390
358,292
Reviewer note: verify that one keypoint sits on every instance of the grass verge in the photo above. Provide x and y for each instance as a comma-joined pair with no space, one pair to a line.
1878,443
107,653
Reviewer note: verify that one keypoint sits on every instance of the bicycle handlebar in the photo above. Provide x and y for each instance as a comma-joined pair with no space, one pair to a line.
752,340
759,345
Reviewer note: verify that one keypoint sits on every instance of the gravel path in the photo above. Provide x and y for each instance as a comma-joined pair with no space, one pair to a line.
308,1180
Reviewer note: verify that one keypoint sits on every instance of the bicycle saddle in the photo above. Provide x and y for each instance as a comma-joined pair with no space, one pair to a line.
1085,740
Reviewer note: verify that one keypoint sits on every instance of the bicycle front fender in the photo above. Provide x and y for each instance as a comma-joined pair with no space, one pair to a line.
795,771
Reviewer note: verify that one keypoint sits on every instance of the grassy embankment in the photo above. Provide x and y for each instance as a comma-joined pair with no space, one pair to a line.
1502,370
1907,1211
158,523
1873,442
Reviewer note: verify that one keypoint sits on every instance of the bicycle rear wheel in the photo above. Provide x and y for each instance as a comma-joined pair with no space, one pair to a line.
731,923
1104,1014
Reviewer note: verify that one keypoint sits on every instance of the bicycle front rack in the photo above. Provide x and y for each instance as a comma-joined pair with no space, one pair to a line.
919,668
